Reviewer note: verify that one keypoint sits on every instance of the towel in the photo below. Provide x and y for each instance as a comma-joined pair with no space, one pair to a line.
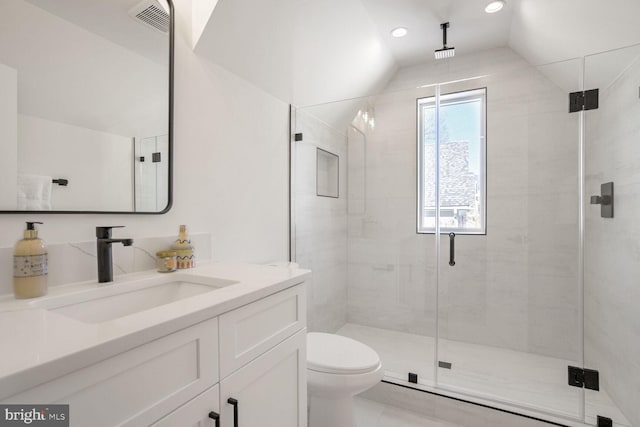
34,193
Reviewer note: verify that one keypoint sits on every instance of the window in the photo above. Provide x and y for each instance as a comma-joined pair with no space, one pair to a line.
456,179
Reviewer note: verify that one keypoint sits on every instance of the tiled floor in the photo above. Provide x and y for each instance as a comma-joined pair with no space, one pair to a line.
374,414
495,374
388,404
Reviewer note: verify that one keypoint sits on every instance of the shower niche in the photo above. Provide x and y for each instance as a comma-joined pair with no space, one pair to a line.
327,174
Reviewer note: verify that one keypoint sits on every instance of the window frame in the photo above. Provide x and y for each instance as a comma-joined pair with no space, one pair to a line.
437,101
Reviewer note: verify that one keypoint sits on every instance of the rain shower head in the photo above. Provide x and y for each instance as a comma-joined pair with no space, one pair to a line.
445,52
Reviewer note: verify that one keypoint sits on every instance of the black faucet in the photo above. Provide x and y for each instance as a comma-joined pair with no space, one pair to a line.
105,258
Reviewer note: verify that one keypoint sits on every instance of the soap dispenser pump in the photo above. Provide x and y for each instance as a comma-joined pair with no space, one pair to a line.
30,265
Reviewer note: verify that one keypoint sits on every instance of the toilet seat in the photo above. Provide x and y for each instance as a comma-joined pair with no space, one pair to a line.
335,354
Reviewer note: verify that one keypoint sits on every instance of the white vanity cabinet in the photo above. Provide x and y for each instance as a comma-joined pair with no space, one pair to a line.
255,354
263,363
137,387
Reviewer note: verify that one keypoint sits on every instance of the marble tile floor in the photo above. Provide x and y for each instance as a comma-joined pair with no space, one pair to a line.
405,405
373,414
493,374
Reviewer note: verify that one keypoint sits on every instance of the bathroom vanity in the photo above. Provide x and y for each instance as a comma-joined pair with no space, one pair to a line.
203,348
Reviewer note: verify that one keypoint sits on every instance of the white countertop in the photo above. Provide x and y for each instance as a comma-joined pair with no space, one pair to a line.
38,345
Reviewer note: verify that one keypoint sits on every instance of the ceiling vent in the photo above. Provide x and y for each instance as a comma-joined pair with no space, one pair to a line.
151,14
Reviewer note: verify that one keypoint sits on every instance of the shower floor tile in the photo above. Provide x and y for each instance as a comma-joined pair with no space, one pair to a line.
524,380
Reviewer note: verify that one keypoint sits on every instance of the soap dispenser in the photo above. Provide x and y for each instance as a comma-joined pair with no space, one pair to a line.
184,250
30,265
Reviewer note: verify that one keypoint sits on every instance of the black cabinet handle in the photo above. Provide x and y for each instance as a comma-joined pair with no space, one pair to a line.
234,402
452,249
215,416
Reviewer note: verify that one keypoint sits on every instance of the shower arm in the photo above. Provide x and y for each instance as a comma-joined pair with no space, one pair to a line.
444,34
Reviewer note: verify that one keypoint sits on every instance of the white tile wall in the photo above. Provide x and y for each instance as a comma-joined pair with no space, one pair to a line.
612,246
321,225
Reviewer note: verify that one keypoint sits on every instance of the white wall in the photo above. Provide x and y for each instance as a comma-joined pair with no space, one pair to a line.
231,143
612,246
8,133
518,286
98,165
321,224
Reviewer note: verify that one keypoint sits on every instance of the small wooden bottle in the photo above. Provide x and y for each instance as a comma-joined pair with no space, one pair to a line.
184,250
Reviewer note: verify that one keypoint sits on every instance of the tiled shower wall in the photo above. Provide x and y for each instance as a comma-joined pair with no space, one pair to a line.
321,224
517,287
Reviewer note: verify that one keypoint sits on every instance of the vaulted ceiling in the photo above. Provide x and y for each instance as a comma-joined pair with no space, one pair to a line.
309,51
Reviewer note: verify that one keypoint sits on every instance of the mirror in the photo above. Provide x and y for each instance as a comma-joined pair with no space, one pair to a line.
86,106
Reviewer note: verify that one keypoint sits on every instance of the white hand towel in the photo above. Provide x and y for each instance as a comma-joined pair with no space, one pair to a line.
34,193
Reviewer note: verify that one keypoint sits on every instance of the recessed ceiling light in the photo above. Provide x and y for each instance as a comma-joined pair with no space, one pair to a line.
399,32
494,6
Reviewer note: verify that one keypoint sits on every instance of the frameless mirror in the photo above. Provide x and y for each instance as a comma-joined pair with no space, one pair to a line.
86,105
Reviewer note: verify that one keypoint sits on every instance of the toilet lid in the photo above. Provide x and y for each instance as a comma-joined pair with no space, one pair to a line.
335,354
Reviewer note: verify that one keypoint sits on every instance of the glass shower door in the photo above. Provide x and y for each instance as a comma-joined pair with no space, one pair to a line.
509,285
611,242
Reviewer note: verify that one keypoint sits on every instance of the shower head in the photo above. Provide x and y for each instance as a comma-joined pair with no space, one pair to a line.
445,52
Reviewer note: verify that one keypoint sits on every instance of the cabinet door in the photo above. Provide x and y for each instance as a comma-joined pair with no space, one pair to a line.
194,413
249,331
270,391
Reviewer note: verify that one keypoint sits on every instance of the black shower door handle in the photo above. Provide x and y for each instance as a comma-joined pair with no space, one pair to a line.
452,249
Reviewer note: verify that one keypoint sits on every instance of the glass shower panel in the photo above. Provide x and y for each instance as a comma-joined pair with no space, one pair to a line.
611,263
151,169
509,295
145,175
373,275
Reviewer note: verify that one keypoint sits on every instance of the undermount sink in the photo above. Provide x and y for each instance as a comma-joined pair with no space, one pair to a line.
111,302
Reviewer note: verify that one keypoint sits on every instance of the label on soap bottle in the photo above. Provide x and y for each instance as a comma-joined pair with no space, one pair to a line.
29,265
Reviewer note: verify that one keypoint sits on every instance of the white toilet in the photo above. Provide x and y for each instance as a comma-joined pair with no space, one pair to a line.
338,368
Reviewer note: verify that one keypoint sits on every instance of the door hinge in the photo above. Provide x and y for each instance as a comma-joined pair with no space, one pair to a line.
156,157
583,101
604,422
413,378
584,378
297,137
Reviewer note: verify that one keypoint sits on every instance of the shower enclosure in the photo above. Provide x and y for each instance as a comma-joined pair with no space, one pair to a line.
448,225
